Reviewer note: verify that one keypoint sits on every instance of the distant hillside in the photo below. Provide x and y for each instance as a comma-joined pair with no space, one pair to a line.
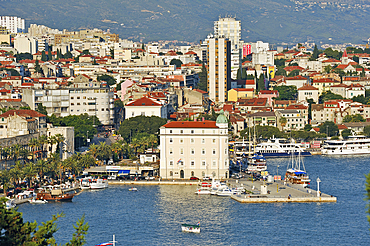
191,20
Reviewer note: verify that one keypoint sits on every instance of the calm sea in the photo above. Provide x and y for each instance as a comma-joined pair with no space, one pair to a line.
152,216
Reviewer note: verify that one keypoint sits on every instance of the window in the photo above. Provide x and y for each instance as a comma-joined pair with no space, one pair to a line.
171,140
203,141
72,98
181,131
203,174
192,151
171,163
170,131
213,151
192,163
143,113
133,113
181,140
192,173
192,131
192,140
214,163
171,151
203,163
203,151
181,151
171,173
214,140
202,131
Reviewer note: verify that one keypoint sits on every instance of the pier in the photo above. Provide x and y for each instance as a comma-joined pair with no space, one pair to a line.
278,192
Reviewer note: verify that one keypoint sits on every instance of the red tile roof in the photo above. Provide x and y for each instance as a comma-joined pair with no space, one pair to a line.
307,87
191,124
265,92
22,112
144,101
243,89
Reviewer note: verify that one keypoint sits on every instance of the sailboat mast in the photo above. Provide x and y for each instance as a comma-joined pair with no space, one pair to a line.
249,135
254,135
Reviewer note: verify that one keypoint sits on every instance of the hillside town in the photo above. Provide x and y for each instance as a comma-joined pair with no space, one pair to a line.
48,75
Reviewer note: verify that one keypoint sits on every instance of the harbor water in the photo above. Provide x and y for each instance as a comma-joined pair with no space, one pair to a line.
153,215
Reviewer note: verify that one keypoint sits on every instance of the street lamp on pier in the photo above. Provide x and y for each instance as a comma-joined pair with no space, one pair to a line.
318,186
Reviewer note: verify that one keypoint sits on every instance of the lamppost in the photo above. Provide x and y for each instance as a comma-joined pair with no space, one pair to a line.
87,138
318,186
277,170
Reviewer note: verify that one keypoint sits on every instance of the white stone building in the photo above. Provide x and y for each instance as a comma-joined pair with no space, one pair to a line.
194,149
12,23
146,106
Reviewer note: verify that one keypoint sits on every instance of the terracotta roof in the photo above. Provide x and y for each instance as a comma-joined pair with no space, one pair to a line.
298,77
243,89
23,112
297,106
342,127
307,87
201,91
191,124
264,92
144,101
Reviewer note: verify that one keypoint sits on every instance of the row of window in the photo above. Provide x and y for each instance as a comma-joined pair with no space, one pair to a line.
191,131
192,140
192,174
192,151
192,163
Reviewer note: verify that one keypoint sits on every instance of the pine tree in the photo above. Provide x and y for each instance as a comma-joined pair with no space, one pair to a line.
50,55
37,67
261,83
43,56
315,53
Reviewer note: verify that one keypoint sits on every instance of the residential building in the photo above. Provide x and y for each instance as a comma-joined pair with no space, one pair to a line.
308,92
324,84
294,119
262,119
230,28
13,24
68,145
219,68
261,55
237,93
269,95
25,44
146,106
252,105
82,96
194,149
21,122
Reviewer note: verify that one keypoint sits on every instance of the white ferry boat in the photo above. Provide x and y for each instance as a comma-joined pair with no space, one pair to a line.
354,145
280,147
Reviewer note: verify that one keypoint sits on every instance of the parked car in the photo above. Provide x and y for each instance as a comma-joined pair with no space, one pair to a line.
207,178
194,178
149,178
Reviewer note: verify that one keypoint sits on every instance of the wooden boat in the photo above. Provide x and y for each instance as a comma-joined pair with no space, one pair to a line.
190,228
55,195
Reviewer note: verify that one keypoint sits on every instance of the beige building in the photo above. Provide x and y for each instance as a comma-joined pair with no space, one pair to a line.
194,149
237,93
308,92
219,68
68,132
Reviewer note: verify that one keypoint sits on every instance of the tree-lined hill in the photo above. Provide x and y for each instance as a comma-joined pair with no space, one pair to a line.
191,20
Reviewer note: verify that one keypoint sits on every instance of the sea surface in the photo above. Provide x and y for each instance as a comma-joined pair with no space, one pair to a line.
153,215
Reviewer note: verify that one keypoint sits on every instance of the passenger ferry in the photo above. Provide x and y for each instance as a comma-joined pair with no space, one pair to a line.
354,145
280,147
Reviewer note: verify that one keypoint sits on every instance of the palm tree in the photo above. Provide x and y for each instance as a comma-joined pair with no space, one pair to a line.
16,151
104,151
282,122
4,180
6,153
41,167
59,139
29,172
135,143
93,149
33,145
51,141
153,140
87,161
43,140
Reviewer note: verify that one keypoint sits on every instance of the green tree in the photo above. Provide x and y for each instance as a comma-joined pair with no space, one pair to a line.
111,51
107,78
43,56
118,104
78,238
315,53
367,131
286,92
261,83
50,55
23,56
41,109
328,95
353,118
346,133
307,127
104,151
176,62
280,62
327,69
202,85
139,124
360,99
329,128
37,67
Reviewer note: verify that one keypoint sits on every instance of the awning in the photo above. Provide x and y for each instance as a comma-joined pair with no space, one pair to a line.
123,172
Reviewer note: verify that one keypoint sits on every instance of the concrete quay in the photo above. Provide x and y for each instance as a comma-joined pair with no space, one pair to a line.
154,182
278,192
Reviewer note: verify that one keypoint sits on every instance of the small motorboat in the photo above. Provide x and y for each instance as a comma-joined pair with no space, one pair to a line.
191,228
37,201
203,191
132,189
9,204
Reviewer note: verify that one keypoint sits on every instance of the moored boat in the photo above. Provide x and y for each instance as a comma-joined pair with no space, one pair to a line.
295,174
279,147
190,228
354,145
9,204
56,195
37,201
99,183
203,190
